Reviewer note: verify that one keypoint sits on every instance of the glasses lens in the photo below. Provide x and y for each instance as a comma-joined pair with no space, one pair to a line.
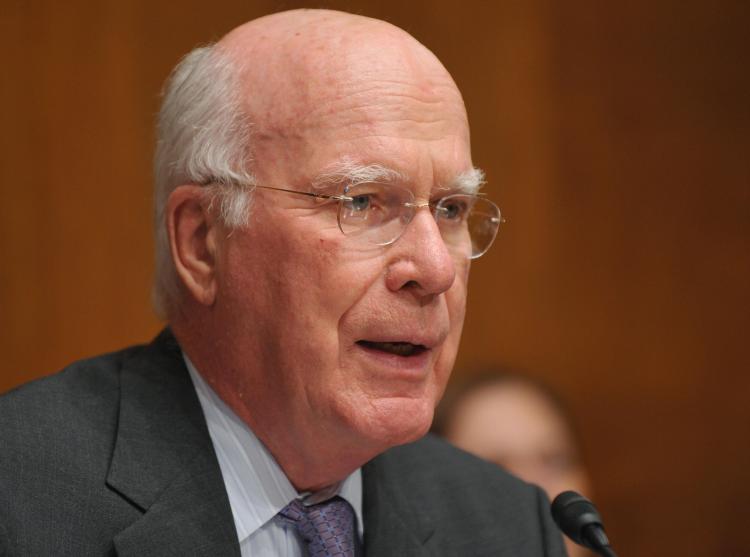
376,213
468,223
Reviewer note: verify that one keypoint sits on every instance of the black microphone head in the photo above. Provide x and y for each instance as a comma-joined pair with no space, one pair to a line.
573,514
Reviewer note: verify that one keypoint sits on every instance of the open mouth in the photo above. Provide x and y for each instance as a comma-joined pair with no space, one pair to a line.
404,349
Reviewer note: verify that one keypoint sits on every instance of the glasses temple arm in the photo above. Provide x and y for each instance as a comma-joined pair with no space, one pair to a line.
308,193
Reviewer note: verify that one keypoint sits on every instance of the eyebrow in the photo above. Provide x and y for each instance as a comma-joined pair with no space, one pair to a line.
349,172
469,181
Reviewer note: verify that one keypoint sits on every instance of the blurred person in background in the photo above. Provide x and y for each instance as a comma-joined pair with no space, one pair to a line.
521,425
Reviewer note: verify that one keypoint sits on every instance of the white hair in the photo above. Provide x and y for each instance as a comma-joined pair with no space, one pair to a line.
470,181
347,171
202,138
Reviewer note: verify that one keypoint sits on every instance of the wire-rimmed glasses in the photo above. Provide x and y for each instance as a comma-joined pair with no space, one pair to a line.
379,213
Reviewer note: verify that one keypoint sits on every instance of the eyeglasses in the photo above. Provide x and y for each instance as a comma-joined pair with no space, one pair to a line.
379,213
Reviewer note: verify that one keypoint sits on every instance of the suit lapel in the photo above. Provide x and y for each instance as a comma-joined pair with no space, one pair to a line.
393,525
163,461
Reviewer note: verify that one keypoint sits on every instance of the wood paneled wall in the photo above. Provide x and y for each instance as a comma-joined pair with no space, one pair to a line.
615,137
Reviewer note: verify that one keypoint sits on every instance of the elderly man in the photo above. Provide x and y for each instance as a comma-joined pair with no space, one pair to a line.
316,216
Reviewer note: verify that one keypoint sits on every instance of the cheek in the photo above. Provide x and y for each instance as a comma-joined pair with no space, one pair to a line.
346,276
456,301
276,280
295,288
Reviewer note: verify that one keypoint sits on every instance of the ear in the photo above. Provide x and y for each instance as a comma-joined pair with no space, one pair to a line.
192,238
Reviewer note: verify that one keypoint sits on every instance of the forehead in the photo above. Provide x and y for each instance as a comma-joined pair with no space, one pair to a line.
299,75
388,102
419,140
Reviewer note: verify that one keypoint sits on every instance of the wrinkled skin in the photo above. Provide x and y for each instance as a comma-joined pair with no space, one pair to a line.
273,310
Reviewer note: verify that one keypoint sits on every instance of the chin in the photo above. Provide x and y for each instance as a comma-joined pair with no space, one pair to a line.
395,421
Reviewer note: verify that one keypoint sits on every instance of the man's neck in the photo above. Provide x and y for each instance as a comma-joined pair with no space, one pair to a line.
311,458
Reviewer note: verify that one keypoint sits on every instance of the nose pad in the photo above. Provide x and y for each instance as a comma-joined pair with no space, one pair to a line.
408,216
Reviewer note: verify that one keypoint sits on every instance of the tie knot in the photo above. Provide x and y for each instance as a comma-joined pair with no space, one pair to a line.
327,528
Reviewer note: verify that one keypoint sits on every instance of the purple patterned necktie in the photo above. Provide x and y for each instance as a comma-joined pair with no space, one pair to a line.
327,528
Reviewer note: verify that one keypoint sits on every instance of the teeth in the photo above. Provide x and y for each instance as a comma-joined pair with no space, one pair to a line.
397,348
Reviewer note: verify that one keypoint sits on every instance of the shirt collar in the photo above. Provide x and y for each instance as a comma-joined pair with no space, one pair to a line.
256,485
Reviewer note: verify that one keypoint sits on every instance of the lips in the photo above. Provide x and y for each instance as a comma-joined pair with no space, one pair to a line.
397,348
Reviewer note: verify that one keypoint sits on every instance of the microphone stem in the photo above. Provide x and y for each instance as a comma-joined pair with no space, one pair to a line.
594,537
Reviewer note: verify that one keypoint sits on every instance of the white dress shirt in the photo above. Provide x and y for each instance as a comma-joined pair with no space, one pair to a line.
257,487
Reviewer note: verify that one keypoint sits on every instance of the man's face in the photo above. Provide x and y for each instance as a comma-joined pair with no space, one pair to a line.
310,312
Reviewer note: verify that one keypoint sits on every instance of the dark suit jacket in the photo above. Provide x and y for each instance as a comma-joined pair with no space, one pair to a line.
112,457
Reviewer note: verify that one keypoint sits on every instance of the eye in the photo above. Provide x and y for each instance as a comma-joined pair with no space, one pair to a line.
453,208
361,202
366,199
378,211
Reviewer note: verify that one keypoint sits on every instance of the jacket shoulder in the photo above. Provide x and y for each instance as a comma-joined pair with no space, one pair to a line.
475,507
59,395
433,461
55,417
57,436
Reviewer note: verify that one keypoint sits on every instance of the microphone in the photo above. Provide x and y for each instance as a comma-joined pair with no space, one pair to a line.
578,518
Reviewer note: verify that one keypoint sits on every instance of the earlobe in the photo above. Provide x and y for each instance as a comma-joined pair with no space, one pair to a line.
191,237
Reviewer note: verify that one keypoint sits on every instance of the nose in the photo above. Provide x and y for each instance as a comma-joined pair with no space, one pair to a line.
419,261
